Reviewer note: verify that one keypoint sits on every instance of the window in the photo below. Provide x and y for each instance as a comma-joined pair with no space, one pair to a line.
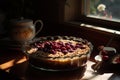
105,13
104,9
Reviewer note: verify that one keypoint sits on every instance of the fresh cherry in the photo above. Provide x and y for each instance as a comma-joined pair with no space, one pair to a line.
117,60
105,57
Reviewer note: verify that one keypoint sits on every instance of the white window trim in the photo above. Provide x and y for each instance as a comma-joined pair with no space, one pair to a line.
100,28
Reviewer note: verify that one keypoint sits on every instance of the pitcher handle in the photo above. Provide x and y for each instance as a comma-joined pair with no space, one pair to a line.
41,22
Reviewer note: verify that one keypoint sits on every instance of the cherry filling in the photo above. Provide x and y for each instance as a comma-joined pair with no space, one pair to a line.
53,47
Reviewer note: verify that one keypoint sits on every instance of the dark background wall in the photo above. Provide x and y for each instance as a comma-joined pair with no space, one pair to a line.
51,12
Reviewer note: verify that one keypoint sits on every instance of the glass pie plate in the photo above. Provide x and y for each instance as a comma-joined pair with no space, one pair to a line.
56,63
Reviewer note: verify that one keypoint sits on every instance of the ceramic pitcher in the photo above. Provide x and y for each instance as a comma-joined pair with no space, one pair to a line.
24,29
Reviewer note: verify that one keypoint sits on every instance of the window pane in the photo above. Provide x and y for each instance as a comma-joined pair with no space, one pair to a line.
103,9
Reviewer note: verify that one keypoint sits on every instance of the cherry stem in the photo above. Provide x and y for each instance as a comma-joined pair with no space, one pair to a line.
110,41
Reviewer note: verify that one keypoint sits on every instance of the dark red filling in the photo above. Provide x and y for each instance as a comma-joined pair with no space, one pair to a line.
52,46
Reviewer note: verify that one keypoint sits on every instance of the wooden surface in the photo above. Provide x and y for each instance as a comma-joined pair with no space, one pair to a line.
15,63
